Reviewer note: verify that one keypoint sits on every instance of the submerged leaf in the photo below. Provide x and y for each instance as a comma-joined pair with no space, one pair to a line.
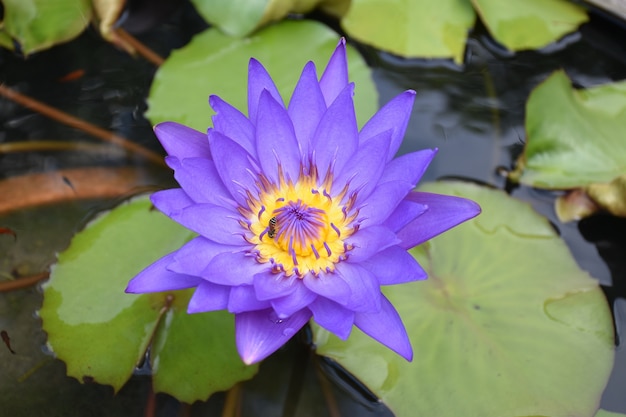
506,325
214,63
575,137
529,24
412,28
102,333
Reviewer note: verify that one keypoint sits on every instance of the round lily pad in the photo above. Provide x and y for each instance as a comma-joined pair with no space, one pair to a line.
506,325
102,333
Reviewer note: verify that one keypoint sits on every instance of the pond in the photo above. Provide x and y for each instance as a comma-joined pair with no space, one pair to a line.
54,179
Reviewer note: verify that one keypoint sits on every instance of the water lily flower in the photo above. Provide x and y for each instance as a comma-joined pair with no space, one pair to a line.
299,214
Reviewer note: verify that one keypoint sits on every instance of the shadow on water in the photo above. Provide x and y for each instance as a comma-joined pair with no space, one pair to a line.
474,115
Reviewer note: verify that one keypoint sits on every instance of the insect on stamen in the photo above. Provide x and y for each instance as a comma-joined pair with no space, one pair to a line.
271,232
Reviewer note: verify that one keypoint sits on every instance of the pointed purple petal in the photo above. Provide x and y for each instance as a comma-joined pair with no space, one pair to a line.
369,241
233,124
157,277
258,336
394,265
199,179
182,141
216,223
365,290
306,108
336,137
171,202
409,167
208,297
276,140
232,269
406,212
444,212
244,299
335,76
328,285
386,327
383,201
259,80
299,299
365,168
268,285
234,166
333,317
193,257
392,116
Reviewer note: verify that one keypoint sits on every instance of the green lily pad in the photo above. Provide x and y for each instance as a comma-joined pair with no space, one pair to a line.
574,137
213,63
605,413
412,28
529,24
102,333
40,24
506,325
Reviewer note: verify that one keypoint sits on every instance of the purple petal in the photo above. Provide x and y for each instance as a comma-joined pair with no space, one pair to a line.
332,317
259,80
216,223
182,141
232,269
444,212
234,166
328,285
268,286
208,297
276,140
299,299
171,202
193,257
199,179
369,241
365,168
258,335
244,299
306,108
383,201
394,265
335,77
386,327
365,290
409,167
233,124
157,277
336,137
392,116
406,212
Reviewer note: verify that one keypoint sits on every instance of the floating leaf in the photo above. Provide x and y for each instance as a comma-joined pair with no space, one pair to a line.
40,24
529,24
605,413
412,28
213,63
575,137
506,325
101,332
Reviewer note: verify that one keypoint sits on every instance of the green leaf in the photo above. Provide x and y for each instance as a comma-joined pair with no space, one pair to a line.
213,63
40,24
412,28
574,137
506,325
529,24
605,413
101,332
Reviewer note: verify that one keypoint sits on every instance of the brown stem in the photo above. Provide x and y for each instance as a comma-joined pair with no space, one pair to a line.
141,49
80,124
21,283
232,404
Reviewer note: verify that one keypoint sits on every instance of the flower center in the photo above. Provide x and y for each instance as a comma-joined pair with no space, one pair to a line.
299,227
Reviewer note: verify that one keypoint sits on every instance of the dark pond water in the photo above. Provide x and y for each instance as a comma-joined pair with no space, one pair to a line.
474,115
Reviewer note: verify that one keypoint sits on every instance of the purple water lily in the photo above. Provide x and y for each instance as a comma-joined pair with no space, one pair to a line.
299,214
